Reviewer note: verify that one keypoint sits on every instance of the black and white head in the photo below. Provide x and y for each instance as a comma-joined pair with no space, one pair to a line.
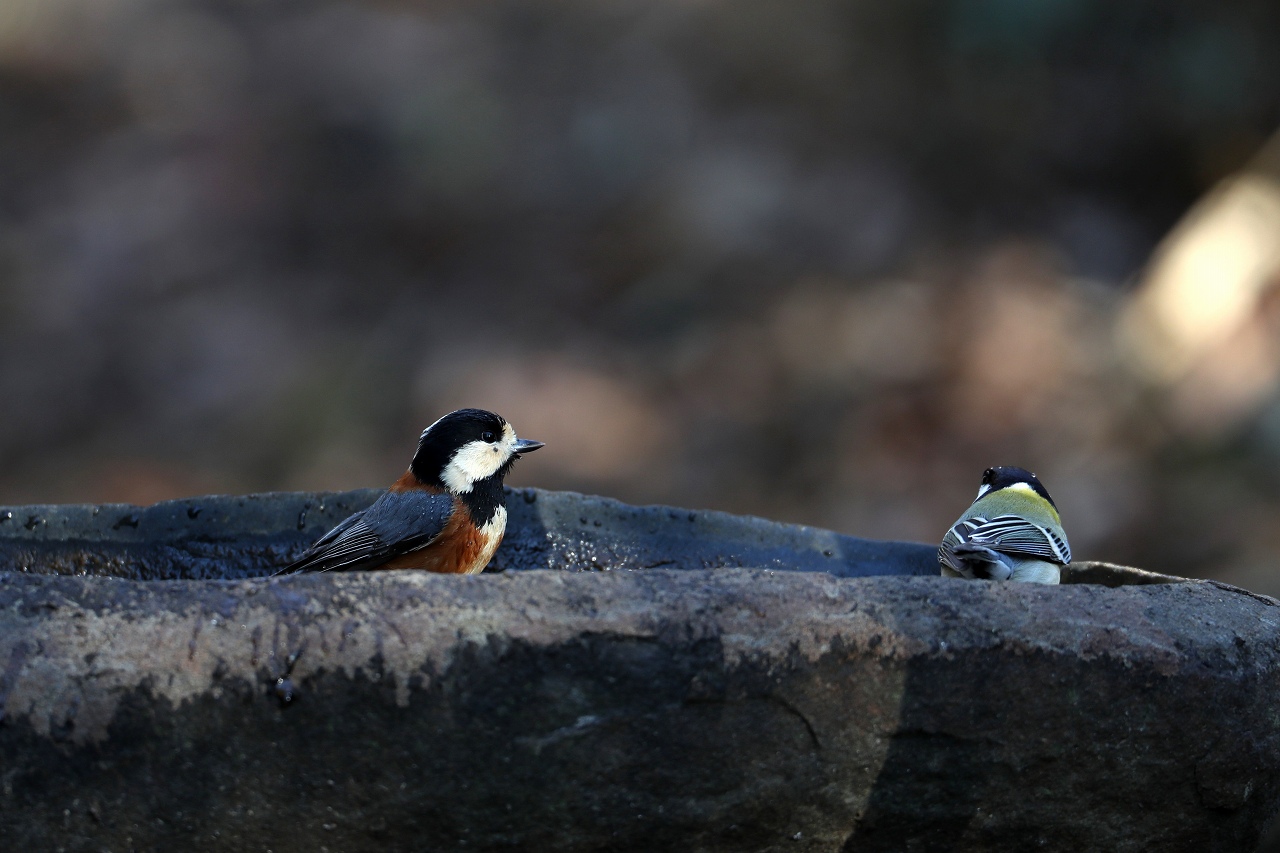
1010,476
467,447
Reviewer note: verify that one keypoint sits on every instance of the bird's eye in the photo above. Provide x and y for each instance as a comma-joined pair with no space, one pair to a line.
488,436
988,475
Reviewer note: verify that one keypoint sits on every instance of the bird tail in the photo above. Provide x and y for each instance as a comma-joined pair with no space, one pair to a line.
984,561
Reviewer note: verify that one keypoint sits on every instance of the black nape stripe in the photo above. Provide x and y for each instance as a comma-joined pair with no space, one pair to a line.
1004,476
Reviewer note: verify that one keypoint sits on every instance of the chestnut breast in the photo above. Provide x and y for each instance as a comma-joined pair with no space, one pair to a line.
462,548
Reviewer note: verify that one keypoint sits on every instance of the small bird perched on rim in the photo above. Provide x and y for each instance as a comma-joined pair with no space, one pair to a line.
446,514
1011,532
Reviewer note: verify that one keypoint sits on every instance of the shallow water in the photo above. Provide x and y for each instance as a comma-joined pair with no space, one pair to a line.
227,537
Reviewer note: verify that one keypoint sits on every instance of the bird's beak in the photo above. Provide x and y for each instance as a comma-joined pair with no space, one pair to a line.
526,445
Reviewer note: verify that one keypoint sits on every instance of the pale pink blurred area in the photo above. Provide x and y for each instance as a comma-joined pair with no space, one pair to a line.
602,431
821,262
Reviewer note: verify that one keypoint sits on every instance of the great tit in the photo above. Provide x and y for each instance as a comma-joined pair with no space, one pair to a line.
1011,531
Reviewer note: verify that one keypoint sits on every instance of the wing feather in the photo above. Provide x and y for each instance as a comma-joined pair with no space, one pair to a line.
1015,535
1005,534
396,523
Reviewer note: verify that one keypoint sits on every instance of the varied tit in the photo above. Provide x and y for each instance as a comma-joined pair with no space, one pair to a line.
1011,532
446,514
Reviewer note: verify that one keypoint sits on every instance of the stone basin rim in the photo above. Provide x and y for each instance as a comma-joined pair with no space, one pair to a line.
590,534
670,658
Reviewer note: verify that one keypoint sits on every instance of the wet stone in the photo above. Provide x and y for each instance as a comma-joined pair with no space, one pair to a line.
803,691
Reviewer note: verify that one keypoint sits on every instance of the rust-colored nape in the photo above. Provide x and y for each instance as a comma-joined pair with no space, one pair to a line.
409,482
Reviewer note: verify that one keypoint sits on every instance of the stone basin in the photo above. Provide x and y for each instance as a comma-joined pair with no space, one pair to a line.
626,678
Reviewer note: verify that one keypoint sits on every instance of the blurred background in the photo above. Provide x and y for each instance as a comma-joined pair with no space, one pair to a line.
818,261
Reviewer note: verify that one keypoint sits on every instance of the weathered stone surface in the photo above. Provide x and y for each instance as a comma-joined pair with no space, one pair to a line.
252,535
737,710
804,706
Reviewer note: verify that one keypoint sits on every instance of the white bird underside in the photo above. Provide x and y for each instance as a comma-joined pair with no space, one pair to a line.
1024,571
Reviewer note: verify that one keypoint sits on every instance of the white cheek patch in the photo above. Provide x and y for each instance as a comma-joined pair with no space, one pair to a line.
983,489
477,460
474,461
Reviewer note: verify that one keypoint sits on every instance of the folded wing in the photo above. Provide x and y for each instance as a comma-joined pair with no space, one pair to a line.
1005,534
396,523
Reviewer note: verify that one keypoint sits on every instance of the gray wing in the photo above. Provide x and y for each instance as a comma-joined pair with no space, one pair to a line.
947,557
1006,534
396,523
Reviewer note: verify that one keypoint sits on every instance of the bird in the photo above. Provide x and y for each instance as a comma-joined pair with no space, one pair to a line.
446,513
1011,531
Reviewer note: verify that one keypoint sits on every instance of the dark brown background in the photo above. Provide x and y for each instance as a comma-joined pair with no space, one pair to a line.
819,261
